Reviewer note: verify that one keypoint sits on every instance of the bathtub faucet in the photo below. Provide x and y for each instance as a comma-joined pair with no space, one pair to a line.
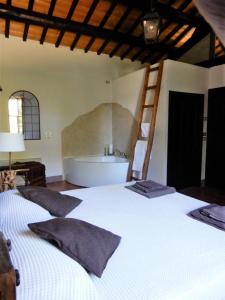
120,153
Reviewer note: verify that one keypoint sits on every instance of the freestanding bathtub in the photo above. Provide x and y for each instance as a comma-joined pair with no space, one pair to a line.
95,170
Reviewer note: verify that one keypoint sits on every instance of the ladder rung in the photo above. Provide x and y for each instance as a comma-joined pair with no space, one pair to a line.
151,87
148,106
154,69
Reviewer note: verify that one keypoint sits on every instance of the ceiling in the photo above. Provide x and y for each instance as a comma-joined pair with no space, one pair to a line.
107,26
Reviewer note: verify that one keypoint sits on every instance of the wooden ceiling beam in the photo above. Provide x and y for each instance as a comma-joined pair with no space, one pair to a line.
86,20
212,53
218,53
180,8
197,36
222,46
175,41
167,38
165,25
68,18
102,23
132,28
124,55
50,13
7,27
165,11
39,19
7,21
22,15
135,57
214,62
26,27
117,27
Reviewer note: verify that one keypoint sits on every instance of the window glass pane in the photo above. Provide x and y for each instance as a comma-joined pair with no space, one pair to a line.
13,124
28,127
24,114
36,127
35,119
27,110
28,135
36,135
35,110
27,119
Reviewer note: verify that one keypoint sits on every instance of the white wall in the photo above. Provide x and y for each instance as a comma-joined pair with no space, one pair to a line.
67,84
177,76
216,77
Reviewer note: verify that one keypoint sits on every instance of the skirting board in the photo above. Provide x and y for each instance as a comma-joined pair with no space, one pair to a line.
54,178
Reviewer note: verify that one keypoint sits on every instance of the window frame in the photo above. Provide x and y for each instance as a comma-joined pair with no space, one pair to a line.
23,122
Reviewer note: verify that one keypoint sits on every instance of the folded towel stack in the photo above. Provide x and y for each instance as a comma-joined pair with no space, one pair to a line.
150,189
211,214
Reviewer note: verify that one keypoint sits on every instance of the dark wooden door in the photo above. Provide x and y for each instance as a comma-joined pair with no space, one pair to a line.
215,153
185,130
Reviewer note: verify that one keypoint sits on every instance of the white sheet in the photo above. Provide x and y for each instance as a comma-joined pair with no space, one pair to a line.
45,272
163,254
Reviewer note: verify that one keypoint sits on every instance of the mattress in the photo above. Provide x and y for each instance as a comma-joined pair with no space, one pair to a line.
45,272
163,254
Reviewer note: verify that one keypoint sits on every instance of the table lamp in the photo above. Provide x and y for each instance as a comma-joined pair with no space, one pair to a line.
11,142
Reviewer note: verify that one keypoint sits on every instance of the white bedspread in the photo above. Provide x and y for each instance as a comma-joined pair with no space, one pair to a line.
163,254
45,272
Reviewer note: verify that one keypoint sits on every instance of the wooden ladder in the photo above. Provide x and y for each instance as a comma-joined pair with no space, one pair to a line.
152,119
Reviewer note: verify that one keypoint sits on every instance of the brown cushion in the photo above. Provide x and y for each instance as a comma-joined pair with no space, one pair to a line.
89,245
57,204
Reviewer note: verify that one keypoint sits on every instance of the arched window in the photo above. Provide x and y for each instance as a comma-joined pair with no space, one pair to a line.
24,115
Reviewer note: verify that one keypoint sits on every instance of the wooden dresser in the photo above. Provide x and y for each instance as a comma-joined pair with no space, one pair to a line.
33,172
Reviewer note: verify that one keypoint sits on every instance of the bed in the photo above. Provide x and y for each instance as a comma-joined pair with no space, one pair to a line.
163,254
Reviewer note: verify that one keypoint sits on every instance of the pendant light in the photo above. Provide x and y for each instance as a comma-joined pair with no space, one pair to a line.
151,24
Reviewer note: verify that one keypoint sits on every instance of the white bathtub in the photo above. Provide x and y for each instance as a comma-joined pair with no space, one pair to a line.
95,170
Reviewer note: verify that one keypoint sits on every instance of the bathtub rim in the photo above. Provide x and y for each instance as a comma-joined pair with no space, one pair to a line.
122,160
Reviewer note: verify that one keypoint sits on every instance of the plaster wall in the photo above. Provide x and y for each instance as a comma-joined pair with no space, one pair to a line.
67,84
216,77
177,76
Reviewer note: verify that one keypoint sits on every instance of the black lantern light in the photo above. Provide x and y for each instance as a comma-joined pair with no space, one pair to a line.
151,24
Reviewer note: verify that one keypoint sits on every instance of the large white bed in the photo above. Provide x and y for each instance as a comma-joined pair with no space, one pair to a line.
163,254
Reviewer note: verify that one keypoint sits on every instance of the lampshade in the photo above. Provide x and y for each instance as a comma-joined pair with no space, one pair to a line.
11,142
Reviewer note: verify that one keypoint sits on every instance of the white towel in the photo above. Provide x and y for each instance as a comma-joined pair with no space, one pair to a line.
145,129
139,155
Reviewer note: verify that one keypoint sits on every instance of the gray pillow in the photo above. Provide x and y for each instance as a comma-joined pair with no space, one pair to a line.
57,204
89,245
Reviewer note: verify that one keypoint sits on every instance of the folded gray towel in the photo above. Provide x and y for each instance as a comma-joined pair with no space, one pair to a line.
214,211
196,214
148,189
158,190
149,186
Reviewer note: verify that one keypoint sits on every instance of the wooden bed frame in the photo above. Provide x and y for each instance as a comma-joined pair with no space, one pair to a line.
9,277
